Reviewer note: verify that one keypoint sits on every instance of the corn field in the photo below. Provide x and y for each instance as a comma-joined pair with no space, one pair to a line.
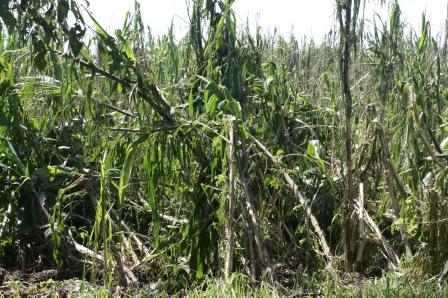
132,160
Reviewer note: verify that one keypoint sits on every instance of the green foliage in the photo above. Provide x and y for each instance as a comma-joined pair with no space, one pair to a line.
118,142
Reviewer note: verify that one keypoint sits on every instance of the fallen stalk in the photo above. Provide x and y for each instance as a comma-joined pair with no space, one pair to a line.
303,201
78,247
393,257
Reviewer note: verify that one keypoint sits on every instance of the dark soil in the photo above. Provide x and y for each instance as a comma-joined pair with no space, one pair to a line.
40,276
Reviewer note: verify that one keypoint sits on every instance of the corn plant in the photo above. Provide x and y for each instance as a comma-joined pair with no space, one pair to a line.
143,158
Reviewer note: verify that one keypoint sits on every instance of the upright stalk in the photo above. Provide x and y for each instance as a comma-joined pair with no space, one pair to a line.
230,233
445,42
344,68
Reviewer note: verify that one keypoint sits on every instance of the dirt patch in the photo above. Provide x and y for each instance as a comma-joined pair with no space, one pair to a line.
36,277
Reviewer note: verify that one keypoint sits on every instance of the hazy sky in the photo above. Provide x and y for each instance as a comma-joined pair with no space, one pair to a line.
302,17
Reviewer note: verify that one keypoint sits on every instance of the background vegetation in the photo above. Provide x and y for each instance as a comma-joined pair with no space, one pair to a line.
133,159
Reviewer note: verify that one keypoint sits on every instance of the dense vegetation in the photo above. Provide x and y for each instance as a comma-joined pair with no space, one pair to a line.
148,161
